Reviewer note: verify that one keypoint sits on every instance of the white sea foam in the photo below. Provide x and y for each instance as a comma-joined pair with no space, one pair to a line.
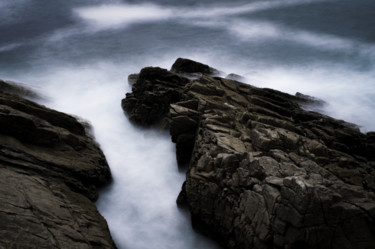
119,15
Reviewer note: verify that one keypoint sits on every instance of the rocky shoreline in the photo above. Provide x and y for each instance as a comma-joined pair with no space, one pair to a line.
262,171
50,168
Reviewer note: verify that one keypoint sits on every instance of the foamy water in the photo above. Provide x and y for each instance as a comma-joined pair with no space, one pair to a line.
78,56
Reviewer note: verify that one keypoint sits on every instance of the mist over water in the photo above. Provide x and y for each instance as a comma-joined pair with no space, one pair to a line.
78,55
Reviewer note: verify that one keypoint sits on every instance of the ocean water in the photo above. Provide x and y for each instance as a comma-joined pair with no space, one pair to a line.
77,55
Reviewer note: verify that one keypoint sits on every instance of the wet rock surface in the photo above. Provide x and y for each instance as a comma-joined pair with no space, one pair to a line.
263,172
50,169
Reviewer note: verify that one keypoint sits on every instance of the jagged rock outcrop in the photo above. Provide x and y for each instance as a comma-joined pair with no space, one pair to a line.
49,171
263,172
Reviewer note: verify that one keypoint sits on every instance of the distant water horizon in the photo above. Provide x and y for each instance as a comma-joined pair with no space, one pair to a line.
78,54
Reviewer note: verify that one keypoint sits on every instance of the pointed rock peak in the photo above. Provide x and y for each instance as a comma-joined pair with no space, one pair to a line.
188,66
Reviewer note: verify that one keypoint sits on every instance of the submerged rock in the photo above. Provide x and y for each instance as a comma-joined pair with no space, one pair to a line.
49,171
262,171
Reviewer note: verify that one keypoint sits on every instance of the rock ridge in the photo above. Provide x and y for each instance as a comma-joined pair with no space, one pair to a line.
50,168
262,171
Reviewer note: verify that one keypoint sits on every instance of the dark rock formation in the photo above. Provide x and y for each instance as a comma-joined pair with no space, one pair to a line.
49,170
263,172
155,89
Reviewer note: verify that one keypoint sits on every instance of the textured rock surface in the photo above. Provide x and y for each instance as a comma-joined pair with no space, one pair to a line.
49,171
263,173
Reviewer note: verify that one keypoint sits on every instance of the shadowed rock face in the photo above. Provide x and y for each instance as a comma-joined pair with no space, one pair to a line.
264,173
49,171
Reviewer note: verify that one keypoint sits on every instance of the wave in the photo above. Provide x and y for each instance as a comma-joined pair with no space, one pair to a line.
113,16
256,30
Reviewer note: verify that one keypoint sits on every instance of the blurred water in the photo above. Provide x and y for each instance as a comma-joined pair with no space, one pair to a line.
78,55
